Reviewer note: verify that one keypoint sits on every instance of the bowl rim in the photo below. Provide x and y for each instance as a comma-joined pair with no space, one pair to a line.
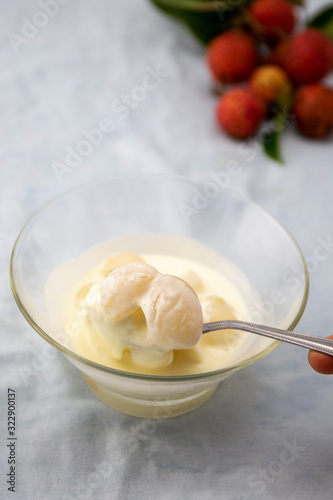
139,376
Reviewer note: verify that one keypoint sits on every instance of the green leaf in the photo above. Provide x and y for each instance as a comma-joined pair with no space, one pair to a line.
323,21
206,19
271,145
271,139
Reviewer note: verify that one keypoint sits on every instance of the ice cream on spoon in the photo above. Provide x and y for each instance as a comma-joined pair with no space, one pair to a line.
167,305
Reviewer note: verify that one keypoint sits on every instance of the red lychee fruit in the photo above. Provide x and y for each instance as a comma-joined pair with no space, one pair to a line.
276,18
313,109
232,56
271,84
306,56
239,112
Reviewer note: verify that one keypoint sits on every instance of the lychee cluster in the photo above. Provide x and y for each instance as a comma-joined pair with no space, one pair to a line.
269,65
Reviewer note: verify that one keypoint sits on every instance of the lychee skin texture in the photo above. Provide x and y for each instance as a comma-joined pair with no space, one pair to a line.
275,17
306,56
313,109
239,112
232,56
271,84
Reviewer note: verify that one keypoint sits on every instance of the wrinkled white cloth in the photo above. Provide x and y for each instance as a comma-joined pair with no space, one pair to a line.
135,84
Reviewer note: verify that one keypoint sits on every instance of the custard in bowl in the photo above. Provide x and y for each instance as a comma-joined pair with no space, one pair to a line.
91,273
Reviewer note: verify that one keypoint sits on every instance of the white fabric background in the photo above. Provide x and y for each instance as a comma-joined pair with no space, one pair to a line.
71,446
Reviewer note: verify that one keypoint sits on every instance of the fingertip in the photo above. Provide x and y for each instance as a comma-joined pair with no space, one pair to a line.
321,363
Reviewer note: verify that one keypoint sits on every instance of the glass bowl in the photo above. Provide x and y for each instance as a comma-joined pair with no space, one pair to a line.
267,267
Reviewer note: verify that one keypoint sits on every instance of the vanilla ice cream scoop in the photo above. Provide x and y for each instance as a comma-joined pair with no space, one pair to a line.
122,291
171,308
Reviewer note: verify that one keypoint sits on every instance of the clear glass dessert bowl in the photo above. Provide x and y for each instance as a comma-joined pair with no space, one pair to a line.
257,254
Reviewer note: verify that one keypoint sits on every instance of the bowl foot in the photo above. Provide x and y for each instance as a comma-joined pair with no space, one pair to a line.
150,408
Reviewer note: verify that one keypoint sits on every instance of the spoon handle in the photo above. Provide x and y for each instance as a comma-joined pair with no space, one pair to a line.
300,339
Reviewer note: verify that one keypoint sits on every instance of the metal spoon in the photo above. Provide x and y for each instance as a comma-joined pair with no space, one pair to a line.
300,339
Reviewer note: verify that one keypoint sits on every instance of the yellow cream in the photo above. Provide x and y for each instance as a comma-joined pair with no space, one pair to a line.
144,313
